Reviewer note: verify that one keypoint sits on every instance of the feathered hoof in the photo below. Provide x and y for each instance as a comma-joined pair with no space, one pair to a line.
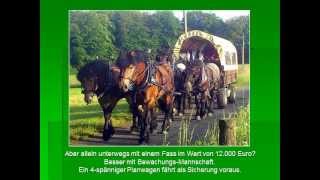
134,129
180,114
140,109
174,110
165,132
106,135
198,118
143,143
210,114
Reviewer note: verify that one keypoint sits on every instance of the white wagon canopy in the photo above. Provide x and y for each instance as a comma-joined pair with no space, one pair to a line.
210,47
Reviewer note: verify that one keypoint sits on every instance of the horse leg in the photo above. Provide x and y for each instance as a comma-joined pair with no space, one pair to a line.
197,102
203,106
167,108
183,104
180,105
189,101
165,125
142,127
108,129
131,99
107,107
148,126
135,118
210,103
145,126
153,119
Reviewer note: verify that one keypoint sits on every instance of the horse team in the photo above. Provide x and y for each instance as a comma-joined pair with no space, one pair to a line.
149,86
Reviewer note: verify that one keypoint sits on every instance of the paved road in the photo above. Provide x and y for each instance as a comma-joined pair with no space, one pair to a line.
199,128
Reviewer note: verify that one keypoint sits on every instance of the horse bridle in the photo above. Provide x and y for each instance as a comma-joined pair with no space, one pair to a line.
196,84
96,87
141,73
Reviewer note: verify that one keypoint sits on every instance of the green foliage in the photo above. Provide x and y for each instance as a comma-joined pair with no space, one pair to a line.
88,120
243,75
104,33
130,30
243,126
206,22
242,130
90,36
233,29
237,28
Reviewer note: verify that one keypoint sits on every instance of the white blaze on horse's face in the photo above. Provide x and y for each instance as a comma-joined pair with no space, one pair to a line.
127,81
89,87
181,67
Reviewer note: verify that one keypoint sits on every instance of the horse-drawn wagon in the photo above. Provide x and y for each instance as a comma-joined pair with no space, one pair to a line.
208,48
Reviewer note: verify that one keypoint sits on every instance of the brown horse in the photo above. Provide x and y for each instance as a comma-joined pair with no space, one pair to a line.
202,82
153,87
100,79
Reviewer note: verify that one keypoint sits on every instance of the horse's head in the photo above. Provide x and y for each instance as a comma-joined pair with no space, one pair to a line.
127,78
164,55
91,77
132,70
193,77
89,86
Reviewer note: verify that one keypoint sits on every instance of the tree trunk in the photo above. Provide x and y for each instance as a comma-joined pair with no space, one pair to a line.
227,132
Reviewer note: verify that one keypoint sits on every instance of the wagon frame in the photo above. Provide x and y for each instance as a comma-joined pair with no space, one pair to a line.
226,54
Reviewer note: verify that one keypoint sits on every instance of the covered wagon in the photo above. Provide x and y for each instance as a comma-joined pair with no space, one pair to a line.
210,48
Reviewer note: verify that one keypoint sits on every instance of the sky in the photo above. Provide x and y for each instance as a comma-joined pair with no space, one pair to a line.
223,14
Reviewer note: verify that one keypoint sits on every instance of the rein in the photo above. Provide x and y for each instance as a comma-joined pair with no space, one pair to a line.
200,81
141,73
148,79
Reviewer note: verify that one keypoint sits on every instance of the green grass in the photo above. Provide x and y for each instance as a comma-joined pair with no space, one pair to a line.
73,81
88,120
243,75
242,126
242,130
73,70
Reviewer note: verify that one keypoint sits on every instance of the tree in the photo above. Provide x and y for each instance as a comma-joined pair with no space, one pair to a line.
164,29
130,31
206,22
104,33
238,27
90,37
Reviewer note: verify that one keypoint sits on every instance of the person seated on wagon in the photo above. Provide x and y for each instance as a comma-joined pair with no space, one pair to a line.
163,55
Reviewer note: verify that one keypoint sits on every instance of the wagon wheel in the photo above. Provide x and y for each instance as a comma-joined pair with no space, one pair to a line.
222,99
232,97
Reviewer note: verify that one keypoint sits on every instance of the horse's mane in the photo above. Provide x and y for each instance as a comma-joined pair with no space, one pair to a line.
197,63
93,68
130,57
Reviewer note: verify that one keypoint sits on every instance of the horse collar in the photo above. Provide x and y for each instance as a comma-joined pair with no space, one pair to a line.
145,83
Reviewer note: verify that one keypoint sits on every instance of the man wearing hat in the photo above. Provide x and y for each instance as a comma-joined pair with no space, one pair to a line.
163,54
